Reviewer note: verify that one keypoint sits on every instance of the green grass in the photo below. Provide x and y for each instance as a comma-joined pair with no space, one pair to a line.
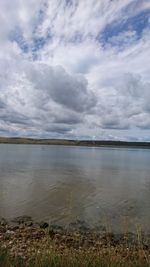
39,248
109,257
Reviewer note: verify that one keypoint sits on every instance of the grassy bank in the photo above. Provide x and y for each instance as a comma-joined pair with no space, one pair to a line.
26,243
108,257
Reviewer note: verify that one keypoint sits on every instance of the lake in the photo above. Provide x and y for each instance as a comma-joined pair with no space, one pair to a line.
60,184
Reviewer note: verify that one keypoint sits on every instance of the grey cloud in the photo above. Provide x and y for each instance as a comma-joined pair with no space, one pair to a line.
115,124
125,104
39,96
2,104
72,91
63,88
131,85
15,119
11,116
138,92
56,128
45,95
145,126
142,121
67,119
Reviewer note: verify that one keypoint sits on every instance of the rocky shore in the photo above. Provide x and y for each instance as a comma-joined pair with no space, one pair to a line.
24,237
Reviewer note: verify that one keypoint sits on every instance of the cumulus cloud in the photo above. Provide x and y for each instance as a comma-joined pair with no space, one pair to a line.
75,69
71,91
38,94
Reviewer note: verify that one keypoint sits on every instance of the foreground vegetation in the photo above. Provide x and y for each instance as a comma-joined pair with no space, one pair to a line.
24,243
108,257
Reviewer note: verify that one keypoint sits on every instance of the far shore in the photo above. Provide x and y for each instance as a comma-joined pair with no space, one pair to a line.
68,142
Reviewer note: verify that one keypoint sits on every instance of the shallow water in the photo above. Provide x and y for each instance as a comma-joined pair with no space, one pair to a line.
108,186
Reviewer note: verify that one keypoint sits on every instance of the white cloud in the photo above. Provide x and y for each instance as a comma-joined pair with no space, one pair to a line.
58,78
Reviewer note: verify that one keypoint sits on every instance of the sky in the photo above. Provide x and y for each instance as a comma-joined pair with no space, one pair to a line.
75,69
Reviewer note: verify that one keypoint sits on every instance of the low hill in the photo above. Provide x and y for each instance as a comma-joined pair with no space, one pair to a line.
97,143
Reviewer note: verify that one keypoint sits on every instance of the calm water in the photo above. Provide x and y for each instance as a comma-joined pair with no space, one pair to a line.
62,184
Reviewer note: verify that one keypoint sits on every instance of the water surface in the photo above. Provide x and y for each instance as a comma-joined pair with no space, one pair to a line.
63,183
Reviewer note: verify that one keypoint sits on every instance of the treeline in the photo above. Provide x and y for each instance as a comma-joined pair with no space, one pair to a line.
97,143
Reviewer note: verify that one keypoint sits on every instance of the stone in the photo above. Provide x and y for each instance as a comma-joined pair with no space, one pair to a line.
131,238
51,233
22,219
9,232
12,226
56,228
118,238
80,226
2,229
99,229
43,225
3,222
29,223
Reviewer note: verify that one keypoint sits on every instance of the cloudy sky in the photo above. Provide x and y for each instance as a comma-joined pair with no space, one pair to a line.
75,69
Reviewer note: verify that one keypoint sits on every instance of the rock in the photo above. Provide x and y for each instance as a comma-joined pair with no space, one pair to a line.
3,222
35,225
108,238
56,229
100,229
29,223
43,225
52,233
131,238
9,232
146,241
118,238
22,219
12,226
2,229
21,226
80,226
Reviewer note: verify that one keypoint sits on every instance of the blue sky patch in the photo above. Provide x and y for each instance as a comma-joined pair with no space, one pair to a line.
137,24
34,46
40,42
16,36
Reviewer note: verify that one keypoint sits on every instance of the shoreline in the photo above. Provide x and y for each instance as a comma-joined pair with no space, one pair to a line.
65,142
23,237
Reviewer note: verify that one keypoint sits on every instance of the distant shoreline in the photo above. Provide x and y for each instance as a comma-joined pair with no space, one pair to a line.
89,143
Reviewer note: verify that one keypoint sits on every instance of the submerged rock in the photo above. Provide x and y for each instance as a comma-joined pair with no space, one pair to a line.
131,238
29,223
2,229
56,228
3,221
13,226
118,238
43,225
22,219
79,225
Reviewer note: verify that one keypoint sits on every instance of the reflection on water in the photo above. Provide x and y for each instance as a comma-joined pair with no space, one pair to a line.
62,184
